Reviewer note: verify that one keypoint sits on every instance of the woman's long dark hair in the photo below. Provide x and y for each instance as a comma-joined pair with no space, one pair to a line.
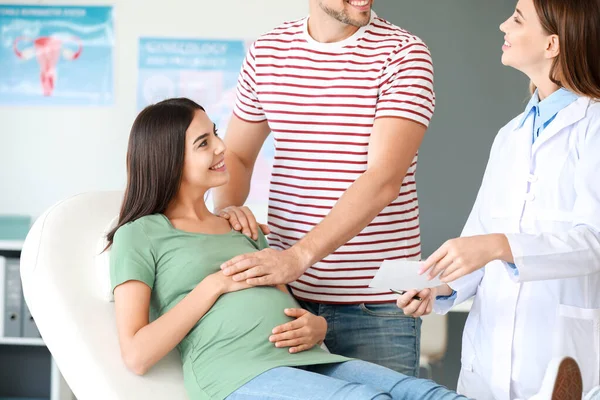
577,24
155,155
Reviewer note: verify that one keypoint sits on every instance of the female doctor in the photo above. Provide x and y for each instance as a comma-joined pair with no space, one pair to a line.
530,250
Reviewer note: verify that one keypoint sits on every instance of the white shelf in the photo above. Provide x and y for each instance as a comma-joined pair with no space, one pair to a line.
22,341
59,390
15,245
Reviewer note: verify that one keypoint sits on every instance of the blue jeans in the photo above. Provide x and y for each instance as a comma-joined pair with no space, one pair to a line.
352,380
378,333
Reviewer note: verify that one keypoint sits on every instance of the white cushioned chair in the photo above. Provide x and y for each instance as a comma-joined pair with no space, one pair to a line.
65,284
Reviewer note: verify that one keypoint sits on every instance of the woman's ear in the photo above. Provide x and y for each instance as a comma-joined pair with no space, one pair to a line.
553,48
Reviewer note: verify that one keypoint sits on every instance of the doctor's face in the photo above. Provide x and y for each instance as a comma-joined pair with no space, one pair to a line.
525,42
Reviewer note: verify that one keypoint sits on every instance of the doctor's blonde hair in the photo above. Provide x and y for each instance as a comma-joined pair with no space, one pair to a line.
577,25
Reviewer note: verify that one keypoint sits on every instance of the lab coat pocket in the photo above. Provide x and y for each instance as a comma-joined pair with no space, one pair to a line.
554,215
578,336
504,212
472,385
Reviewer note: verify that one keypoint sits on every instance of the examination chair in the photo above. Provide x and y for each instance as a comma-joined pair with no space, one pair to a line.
67,288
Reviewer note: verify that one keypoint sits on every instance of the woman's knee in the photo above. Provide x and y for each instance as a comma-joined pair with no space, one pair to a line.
358,391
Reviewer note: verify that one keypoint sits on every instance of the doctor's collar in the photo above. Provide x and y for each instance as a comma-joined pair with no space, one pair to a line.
549,107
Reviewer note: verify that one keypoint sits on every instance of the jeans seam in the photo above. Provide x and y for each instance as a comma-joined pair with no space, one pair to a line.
333,331
417,347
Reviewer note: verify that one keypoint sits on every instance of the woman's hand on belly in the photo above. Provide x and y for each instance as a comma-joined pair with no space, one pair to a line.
225,284
301,334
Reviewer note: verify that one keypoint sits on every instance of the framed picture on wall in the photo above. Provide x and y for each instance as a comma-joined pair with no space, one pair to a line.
56,55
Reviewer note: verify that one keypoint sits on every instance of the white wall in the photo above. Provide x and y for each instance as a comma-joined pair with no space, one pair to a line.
47,154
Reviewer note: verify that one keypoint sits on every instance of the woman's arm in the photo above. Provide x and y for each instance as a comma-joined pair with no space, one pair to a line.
142,343
545,255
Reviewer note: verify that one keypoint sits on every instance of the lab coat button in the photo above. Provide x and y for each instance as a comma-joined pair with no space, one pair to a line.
532,178
530,197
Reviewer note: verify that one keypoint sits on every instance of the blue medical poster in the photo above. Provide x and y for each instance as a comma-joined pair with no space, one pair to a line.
206,71
54,55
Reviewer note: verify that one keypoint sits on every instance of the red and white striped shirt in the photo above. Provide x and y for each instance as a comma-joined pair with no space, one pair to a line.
320,100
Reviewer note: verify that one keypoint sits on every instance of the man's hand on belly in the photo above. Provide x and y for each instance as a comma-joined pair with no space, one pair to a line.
267,267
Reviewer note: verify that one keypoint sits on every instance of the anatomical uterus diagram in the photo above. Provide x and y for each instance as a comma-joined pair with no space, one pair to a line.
47,50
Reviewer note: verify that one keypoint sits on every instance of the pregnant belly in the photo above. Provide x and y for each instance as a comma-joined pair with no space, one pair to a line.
243,320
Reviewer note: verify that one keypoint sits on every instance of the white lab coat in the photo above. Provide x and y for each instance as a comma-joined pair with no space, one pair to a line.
546,198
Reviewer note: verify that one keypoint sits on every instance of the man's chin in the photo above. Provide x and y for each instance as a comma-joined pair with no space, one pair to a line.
361,23
362,20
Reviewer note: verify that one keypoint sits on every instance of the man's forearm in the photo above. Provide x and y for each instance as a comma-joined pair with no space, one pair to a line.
236,191
357,207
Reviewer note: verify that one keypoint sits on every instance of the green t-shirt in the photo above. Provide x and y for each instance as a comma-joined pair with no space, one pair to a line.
230,345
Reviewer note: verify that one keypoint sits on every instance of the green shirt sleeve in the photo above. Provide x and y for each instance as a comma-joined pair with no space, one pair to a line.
262,241
132,256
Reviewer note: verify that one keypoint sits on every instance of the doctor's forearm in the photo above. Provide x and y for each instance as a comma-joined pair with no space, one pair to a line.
357,207
572,253
444,290
503,248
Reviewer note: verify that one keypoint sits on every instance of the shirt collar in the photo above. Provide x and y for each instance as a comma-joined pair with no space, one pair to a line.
548,107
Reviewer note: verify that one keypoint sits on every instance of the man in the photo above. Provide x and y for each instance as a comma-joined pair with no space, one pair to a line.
348,97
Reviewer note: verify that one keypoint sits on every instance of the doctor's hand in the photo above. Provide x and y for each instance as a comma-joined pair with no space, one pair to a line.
301,334
417,308
267,267
242,219
461,256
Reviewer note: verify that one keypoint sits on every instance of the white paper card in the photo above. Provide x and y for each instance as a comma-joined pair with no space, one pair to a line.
402,275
